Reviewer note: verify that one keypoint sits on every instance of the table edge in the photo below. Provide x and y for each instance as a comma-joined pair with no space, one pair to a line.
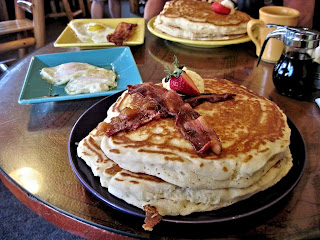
61,219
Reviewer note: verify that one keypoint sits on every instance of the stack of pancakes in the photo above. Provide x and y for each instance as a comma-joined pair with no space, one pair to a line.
195,20
154,165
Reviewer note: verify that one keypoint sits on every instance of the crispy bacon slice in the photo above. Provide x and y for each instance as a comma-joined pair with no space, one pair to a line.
192,128
131,118
157,102
122,33
195,129
152,217
169,100
208,97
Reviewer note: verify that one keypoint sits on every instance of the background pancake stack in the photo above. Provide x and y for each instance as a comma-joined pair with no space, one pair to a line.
195,20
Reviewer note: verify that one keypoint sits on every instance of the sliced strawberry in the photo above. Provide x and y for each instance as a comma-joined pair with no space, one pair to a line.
220,9
180,81
184,85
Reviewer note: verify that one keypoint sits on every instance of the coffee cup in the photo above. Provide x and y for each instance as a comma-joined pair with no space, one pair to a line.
257,30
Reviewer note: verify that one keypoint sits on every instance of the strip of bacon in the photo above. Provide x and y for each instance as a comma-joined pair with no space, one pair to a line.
152,217
208,97
187,119
122,33
196,130
131,118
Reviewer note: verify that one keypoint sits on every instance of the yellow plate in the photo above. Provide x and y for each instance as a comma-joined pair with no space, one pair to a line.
69,39
195,43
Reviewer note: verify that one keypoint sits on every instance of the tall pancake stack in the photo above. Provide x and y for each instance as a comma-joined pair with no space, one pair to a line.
195,20
155,166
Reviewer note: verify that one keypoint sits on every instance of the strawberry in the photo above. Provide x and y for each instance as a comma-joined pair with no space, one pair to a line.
184,85
220,9
180,81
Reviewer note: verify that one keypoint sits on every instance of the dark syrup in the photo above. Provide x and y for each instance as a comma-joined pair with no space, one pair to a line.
293,75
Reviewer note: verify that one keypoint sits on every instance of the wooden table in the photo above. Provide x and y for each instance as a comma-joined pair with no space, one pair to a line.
34,156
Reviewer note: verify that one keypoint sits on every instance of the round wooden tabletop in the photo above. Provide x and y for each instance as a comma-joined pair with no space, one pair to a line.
34,151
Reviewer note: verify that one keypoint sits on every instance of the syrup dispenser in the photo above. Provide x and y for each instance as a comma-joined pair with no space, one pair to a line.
293,75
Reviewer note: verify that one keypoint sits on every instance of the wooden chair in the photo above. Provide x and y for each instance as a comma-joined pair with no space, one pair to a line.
66,9
21,25
3,11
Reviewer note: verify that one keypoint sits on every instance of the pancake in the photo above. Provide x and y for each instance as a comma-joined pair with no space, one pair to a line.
253,132
89,150
195,20
141,189
154,165
172,200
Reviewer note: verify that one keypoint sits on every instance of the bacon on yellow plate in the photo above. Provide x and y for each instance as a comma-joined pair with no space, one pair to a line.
122,33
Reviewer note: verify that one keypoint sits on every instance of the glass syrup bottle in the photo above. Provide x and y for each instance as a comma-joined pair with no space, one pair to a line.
293,75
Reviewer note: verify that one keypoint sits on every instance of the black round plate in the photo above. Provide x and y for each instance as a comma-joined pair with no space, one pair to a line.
260,201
